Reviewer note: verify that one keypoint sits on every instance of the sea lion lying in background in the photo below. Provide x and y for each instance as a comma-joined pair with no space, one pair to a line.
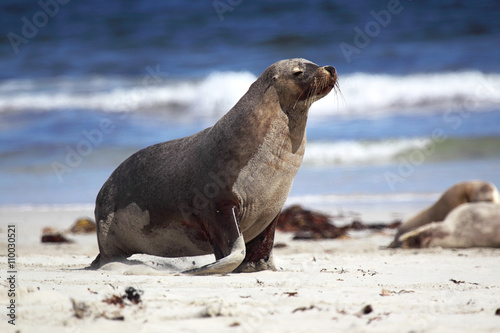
469,225
458,194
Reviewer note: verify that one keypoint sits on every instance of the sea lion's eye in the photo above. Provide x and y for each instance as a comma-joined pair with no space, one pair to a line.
298,73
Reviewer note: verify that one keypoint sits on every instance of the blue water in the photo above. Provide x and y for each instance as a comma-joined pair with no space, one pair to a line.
152,71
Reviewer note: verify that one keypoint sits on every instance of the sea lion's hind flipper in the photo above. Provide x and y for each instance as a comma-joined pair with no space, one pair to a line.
396,243
227,242
422,237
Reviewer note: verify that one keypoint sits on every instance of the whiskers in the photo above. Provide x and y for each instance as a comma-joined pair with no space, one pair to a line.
312,93
317,91
338,92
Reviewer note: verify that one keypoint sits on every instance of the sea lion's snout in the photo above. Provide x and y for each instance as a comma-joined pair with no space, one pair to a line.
329,73
325,81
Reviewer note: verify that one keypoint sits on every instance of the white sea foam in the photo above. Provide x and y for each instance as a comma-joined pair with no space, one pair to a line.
362,94
207,97
359,152
369,94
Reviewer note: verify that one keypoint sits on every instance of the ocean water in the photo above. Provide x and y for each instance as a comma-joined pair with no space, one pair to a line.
84,84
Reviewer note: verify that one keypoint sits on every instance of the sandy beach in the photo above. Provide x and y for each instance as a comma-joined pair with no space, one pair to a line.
346,285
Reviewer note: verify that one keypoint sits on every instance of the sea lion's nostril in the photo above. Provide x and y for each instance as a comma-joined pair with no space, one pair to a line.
330,70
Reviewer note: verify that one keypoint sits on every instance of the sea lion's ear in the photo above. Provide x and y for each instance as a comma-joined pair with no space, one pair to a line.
274,78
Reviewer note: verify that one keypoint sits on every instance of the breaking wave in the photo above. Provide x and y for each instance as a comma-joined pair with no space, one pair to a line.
391,150
362,94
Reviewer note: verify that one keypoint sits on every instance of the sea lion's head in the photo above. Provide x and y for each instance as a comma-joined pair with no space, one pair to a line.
300,82
484,191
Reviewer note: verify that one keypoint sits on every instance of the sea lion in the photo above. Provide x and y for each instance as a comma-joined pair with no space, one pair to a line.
218,191
469,225
458,194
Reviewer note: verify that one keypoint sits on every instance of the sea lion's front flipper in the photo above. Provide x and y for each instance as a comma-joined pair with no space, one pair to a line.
227,242
259,255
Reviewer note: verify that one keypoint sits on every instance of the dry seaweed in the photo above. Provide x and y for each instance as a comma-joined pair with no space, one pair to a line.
290,293
460,282
304,308
307,224
367,309
114,300
386,292
55,238
83,225
131,294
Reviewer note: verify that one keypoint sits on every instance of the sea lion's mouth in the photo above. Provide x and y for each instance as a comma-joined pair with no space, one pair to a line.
322,83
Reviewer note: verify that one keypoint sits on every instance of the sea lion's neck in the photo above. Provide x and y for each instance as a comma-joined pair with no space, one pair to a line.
258,116
296,123
265,180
